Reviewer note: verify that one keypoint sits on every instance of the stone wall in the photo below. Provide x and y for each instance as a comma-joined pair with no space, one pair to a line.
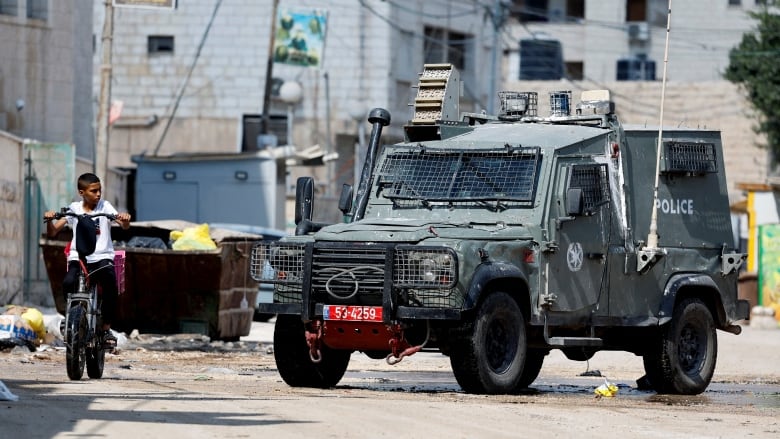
11,219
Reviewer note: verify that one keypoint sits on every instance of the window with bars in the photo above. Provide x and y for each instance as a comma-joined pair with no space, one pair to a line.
507,175
690,158
593,180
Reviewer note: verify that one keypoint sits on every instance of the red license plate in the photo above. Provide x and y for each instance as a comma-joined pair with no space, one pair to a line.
352,313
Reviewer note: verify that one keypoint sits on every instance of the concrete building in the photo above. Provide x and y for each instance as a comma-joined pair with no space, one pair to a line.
619,45
596,35
46,87
46,95
374,50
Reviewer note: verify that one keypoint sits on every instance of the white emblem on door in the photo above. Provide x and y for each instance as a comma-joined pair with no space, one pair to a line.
574,256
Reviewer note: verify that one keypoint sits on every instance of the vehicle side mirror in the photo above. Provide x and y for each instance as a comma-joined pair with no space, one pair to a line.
574,201
345,200
304,194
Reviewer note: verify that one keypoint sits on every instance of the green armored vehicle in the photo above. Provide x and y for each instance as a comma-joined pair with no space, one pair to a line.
495,239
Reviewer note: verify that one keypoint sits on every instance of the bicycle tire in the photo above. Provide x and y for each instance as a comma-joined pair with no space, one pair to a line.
75,341
96,358
96,354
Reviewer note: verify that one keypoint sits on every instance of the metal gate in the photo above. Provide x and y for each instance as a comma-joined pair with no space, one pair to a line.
49,183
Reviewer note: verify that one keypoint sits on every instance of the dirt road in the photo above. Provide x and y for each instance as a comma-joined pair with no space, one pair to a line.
177,387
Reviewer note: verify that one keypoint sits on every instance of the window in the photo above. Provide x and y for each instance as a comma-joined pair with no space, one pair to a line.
575,9
636,69
445,46
532,10
160,44
444,175
736,2
575,70
252,127
636,10
546,10
541,59
592,179
9,7
690,158
38,9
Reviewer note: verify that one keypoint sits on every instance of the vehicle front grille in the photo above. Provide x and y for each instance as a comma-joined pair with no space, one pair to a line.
423,276
340,273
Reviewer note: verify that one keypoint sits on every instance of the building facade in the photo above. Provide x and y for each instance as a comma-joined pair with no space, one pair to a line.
616,40
207,60
46,95
203,64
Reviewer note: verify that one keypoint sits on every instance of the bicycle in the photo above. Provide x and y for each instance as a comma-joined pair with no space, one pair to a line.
83,340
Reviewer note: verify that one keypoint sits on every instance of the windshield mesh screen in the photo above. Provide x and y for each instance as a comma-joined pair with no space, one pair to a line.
453,176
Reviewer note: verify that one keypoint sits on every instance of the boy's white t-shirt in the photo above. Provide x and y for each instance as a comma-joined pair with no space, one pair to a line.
104,249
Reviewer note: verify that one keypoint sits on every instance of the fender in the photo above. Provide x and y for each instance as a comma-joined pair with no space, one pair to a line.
486,273
674,284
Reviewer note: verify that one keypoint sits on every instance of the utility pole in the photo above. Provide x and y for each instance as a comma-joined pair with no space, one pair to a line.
269,71
100,158
497,17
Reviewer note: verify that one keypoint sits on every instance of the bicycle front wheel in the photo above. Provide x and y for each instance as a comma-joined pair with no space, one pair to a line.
75,341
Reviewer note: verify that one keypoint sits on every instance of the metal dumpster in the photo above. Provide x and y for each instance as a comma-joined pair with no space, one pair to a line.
166,291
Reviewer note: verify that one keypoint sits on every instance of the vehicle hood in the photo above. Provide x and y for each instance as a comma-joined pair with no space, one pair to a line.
417,230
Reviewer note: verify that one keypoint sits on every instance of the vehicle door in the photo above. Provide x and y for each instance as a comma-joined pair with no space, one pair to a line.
579,220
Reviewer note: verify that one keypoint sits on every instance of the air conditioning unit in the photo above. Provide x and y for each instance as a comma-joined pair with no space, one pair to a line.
639,31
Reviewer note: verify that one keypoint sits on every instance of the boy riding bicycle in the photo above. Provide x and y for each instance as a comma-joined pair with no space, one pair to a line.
100,264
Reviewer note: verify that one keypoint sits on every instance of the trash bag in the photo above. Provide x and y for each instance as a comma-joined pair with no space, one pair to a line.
146,242
193,238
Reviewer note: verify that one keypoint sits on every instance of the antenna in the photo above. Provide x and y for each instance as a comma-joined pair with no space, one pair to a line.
652,235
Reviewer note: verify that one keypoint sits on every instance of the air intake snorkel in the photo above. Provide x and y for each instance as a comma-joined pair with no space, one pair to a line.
379,118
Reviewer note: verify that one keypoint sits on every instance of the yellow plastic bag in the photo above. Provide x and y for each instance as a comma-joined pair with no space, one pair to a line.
35,319
193,238
606,390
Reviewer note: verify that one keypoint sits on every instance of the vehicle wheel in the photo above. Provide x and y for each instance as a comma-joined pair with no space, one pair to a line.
533,365
75,342
684,358
292,357
488,353
96,358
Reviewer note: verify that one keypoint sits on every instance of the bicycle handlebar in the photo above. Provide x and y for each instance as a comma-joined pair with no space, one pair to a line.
64,213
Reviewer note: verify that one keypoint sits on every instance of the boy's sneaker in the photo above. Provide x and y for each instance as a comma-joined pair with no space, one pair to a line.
109,341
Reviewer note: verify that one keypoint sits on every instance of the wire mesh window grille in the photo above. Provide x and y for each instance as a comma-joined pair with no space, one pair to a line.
593,180
460,176
689,157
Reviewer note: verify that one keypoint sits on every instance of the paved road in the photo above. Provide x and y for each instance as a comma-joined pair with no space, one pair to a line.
171,387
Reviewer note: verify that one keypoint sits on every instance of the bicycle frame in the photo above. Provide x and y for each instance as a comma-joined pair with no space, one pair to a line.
87,295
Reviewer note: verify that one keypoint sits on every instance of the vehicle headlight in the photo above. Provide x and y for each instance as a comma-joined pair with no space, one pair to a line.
277,262
425,267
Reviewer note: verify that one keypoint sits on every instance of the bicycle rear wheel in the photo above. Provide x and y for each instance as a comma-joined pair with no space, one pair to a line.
75,341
